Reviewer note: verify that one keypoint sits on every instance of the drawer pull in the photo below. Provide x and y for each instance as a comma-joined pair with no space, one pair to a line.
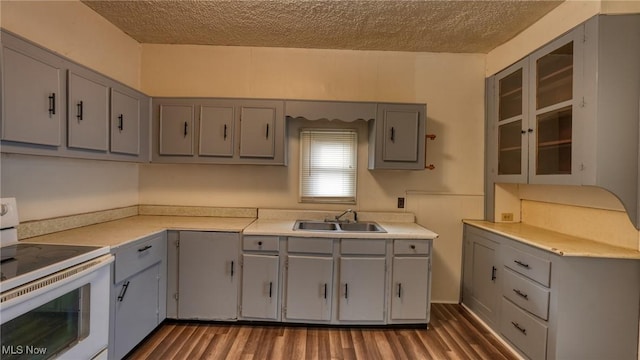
520,328
260,243
232,266
125,286
520,263
325,290
399,290
493,273
270,288
521,294
145,248
413,247
346,291
52,104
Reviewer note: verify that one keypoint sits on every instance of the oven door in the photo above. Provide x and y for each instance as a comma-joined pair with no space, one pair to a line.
65,314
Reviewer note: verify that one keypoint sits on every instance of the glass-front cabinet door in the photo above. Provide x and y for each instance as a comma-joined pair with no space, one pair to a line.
511,96
555,77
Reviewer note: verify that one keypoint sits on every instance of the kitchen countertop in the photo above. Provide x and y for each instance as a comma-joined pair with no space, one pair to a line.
395,230
119,232
555,242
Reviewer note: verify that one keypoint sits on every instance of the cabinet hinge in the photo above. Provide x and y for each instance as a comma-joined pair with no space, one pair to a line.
175,296
178,243
583,103
286,264
582,167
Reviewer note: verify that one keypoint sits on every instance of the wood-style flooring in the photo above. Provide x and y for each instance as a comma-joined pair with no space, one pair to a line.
453,334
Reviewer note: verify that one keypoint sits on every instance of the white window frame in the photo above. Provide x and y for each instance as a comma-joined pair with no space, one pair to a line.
318,181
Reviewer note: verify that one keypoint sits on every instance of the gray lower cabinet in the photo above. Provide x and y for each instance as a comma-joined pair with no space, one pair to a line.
410,291
309,284
32,99
480,289
362,279
208,275
557,307
138,293
260,286
88,107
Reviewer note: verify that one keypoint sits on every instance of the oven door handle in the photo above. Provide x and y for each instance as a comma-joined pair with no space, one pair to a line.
125,286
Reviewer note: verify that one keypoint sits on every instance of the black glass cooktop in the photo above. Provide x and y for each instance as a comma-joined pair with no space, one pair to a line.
30,257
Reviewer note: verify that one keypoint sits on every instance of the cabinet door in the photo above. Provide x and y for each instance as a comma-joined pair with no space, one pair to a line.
410,289
397,137
208,275
176,130
400,135
362,289
480,287
125,123
257,131
216,131
31,99
260,286
136,309
510,123
555,72
309,283
87,113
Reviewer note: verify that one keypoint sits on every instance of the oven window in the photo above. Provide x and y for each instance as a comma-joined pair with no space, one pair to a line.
49,329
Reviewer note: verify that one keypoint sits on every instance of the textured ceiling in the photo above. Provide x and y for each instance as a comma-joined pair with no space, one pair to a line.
429,26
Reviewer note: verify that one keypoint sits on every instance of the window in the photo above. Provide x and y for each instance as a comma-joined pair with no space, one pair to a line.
328,165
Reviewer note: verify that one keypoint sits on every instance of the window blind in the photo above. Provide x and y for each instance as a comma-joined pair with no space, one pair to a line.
328,165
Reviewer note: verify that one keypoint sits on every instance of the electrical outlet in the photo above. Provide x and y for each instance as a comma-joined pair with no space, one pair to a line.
507,216
400,203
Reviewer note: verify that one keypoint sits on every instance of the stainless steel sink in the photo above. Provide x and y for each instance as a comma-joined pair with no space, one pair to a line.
315,226
361,226
311,225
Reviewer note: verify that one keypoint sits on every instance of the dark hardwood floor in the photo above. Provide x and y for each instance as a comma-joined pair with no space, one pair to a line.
453,334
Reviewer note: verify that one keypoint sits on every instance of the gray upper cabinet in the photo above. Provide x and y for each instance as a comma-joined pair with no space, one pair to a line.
125,123
224,131
257,129
55,107
575,104
534,117
88,112
32,95
217,128
397,137
176,129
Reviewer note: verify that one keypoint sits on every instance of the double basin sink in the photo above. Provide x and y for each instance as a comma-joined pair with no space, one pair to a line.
334,226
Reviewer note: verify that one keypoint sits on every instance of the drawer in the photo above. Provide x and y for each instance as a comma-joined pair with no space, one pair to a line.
260,243
523,330
310,245
409,247
132,258
529,265
363,246
525,293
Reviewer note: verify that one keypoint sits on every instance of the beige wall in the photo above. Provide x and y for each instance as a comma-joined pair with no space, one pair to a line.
452,86
73,30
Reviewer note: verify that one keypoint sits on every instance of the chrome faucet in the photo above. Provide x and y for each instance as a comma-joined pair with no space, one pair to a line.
355,215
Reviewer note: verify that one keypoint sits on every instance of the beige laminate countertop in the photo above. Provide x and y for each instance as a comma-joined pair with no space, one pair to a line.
555,242
395,230
119,232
